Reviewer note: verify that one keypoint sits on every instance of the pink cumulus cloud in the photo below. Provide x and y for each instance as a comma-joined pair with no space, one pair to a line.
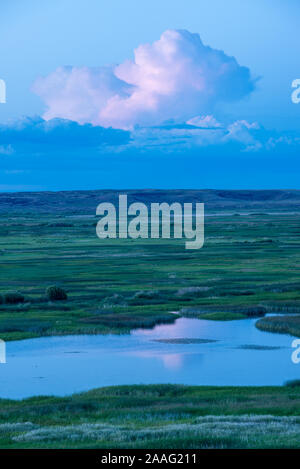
176,77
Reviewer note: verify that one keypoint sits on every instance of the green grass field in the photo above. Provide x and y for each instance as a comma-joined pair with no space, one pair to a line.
249,265
156,416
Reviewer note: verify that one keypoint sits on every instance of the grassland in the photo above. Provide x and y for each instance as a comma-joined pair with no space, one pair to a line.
249,266
156,416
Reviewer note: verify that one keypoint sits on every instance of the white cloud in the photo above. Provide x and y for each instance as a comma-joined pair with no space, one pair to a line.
6,150
79,94
176,77
208,131
205,122
244,132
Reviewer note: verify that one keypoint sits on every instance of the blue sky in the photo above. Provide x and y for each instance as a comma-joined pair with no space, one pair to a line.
236,139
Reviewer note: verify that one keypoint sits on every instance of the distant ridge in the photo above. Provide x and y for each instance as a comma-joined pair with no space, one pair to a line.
87,201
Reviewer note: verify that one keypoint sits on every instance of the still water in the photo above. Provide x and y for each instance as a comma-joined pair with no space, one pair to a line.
217,353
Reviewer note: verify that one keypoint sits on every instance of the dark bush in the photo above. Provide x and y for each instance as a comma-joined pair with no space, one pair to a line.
294,383
115,299
61,225
254,311
237,293
13,298
1,300
147,294
55,293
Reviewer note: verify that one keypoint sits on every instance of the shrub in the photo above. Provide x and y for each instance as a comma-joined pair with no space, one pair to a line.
13,298
237,293
147,294
55,293
254,311
1,300
115,299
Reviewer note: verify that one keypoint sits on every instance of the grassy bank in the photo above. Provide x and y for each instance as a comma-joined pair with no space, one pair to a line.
156,416
249,265
280,324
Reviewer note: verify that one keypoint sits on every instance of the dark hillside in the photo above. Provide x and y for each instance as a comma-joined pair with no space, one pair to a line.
87,201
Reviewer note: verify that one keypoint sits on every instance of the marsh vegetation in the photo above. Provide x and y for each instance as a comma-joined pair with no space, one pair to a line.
156,416
248,267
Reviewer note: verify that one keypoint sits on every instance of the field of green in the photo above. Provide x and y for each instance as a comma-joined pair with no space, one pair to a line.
249,266
156,416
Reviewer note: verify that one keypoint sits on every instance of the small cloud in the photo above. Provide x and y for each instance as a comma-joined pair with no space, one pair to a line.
244,132
205,122
15,171
6,150
283,140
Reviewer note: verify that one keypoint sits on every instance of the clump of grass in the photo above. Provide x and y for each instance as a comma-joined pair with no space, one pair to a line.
184,341
291,307
16,427
224,313
55,293
128,321
280,324
254,311
147,294
237,293
24,325
191,292
13,298
71,433
222,316
115,299
258,347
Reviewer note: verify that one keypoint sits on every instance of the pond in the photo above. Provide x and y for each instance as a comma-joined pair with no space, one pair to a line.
190,351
